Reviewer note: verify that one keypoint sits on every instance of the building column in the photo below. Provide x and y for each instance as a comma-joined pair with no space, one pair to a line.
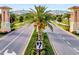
73,20
5,24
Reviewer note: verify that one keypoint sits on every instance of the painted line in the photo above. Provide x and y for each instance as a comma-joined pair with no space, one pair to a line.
28,42
64,38
9,34
66,31
68,43
11,42
6,35
76,49
52,44
13,32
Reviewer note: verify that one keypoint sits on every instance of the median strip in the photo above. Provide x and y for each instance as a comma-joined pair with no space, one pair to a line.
31,49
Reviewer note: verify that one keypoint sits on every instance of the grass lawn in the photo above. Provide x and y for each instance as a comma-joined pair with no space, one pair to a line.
17,25
65,21
64,27
31,49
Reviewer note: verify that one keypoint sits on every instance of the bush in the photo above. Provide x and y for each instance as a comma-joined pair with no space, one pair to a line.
42,52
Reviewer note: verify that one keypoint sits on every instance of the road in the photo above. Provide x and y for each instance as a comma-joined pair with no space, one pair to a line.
16,41
63,42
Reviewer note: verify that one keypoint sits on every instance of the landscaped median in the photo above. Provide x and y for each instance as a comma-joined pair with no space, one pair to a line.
31,49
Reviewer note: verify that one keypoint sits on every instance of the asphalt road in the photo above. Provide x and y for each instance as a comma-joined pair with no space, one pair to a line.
63,42
16,41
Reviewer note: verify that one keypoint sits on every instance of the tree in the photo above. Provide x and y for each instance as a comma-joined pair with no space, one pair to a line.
67,15
54,17
59,18
12,18
39,16
21,18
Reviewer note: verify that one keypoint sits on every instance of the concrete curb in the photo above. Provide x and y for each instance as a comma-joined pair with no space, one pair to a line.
53,47
66,31
27,43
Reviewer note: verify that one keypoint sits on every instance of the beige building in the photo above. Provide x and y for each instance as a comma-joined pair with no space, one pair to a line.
5,23
74,19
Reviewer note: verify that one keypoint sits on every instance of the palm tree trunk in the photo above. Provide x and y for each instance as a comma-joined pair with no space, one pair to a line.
39,33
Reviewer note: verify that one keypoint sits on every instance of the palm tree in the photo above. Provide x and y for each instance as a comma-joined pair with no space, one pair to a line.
39,16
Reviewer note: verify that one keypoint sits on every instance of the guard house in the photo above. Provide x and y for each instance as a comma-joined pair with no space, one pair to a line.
74,19
5,23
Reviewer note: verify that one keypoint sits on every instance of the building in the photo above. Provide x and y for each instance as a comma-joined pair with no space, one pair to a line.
5,22
74,19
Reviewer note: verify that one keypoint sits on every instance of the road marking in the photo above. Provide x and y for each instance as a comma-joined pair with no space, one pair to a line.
8,34
28,42
12,32
11,42
68,43
76,49
6,53
64,38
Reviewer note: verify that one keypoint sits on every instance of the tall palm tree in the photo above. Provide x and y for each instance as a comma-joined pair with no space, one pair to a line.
39,16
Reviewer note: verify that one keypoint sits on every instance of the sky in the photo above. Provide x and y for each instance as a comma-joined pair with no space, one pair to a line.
50,6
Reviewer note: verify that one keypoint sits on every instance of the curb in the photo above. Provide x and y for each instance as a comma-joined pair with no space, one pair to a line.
27,42
53,47
52,44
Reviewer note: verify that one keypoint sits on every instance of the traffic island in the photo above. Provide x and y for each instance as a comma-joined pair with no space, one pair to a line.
32,50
